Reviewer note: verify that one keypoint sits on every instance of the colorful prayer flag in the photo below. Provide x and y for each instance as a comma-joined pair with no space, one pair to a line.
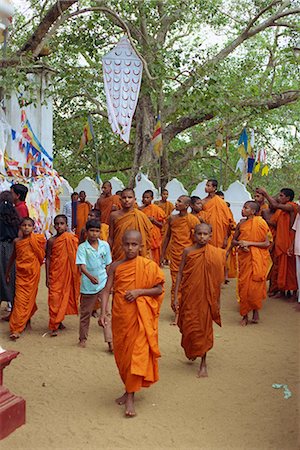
88,134
156,141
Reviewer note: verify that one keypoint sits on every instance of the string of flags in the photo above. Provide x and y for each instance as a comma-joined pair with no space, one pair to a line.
250,161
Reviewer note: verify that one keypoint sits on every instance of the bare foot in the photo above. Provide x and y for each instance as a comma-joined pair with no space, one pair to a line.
244,321
202,373
121,400
82,344
14,336
110,347
53,333
61,326
279,295
255,317
174,323
129,405
28,325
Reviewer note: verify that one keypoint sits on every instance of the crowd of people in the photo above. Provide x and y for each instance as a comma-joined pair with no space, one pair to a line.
117,249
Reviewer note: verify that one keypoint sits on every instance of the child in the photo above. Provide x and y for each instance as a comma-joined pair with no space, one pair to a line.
138,293
200,274
29,252
157,217
93,257
19,192
180,230
251,238
197,209
62,275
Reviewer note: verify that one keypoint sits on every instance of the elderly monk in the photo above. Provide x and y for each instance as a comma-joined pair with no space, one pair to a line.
83,209
157,217
200,274
107,203
180,230
137,284
128,218
286,278
168,208
62,275
254,261
219,216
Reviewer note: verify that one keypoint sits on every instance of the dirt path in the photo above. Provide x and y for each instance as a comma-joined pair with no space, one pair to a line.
70,391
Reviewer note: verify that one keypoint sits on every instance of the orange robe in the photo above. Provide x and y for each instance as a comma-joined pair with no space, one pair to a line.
83,210
105,205
203,275
253,266
30,253
132,220
156,236
182,232
262,207
273,275
219,218
204,216
167,208
286,278
104,233
135,324
64,279
231,262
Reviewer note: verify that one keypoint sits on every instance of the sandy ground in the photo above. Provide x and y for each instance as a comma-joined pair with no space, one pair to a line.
70,391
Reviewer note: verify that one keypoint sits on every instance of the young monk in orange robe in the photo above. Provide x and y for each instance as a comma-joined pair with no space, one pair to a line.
157,217
197,209
29,252
137,284
167,208
219,216
83,208
180,230
286,278
62,275
107,203
251,238
200,274
128,218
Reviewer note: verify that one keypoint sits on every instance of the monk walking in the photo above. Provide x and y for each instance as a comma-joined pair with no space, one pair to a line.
128,218
219,215
167,208
29,252
107,202
137,284
251,238
83,208
200,274
180,230
62,275
157,217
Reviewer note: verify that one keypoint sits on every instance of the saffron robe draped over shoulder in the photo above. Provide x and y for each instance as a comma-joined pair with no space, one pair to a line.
135,324
30,253
253,266
64,279
105,205
286,275
132,220
219,218
203,275
83,209
156,236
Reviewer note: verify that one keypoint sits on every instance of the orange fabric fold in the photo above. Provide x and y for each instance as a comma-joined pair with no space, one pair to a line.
105,205
64,280
30,253
156,236
167,208
203,275
286,277
219,218
104,232
135,324
82,215
132,220
253,266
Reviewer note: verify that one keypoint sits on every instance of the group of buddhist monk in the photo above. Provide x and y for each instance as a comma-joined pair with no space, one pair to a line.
140,240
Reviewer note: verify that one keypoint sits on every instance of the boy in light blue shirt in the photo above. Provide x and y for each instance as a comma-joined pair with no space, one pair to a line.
93,257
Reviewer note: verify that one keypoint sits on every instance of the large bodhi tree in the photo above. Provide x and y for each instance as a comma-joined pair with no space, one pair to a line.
200,87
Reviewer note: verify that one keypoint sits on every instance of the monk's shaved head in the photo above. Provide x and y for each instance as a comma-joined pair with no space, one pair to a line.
128,190
186,199
203,225
253,205
132,234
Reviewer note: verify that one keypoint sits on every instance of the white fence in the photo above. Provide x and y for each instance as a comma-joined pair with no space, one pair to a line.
236,194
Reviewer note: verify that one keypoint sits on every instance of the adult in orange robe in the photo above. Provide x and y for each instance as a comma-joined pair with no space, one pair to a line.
201,274
181,231
128,218
83,209
271,215
219,216
286,278
138,293
263,205
62,275
251,238
29,254
157,217
167,208
107,203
